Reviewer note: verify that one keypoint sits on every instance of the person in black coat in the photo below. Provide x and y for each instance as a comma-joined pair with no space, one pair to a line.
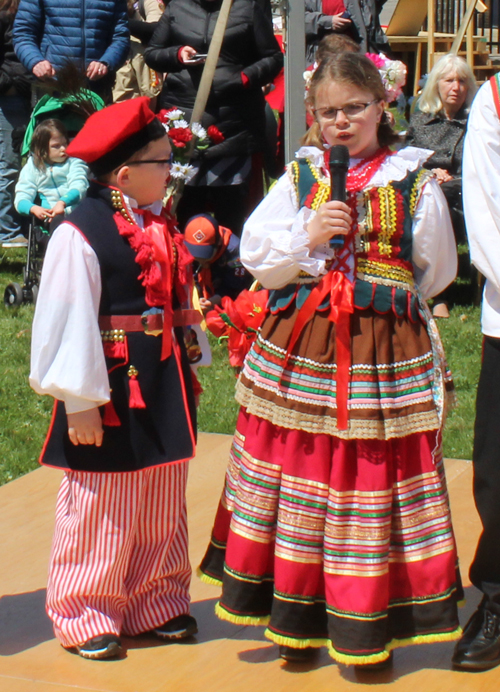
15,112
250,58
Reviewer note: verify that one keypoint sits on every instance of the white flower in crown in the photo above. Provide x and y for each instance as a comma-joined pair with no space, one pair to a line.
392,73
181,123
166,126
175,114
199,131
308,75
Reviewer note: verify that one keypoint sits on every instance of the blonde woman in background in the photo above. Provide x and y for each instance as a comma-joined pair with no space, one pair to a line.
439,123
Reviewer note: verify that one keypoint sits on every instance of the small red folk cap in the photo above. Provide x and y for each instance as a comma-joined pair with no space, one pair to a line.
112,135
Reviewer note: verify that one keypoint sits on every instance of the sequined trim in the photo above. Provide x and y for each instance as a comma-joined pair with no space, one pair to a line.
372,270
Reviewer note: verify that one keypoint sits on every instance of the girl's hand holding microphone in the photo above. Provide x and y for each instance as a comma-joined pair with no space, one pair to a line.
332,218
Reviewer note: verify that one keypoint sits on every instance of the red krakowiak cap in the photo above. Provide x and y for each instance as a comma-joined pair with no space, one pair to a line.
112,135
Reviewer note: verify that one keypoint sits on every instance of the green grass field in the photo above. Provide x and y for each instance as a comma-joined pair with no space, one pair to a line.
24,416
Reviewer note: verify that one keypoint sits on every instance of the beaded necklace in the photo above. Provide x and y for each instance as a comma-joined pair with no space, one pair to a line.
360,175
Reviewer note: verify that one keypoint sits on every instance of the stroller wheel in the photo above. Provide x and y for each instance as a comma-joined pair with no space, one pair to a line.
34,293
13,295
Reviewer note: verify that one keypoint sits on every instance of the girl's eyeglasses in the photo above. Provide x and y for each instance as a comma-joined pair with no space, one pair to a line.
352,110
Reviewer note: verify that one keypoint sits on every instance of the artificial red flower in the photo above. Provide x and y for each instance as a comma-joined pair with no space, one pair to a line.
239,321
215,134
180,136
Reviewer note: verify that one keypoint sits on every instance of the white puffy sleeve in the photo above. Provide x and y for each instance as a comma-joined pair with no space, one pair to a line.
434,247
67,358
481,168
274,241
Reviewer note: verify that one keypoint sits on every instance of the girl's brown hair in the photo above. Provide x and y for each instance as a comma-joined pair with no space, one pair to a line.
41,138
354,69
9,6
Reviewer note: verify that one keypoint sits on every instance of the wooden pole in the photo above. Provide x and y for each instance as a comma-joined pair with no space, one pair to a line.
464,24
431,28
207,78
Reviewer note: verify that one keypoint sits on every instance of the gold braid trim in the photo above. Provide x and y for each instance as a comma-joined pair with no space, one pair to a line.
387,201
420,181
370,270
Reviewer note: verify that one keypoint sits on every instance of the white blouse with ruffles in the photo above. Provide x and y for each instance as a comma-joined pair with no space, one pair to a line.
274,242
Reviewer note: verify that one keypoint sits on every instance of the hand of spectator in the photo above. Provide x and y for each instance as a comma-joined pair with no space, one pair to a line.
339,22
85,427
332,218
58,208
96,70
40,212
442,175
186,53
205,305
43,70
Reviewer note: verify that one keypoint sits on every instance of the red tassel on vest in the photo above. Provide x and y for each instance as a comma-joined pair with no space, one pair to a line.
135,398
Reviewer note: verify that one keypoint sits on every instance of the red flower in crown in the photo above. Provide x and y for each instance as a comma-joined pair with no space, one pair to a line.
215,134
180,136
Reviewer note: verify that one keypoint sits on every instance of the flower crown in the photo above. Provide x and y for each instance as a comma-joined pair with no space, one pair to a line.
392,73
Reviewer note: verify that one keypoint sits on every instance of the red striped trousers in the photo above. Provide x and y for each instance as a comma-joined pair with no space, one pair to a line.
119,560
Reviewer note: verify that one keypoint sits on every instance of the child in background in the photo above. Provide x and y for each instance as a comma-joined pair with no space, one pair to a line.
108,346
334,527
218,271
59,181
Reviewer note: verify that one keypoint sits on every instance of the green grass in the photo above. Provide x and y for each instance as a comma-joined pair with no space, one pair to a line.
24,416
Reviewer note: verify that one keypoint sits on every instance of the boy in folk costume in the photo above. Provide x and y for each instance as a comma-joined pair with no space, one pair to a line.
107,345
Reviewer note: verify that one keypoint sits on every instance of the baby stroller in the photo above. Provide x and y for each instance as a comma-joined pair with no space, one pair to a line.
72,110
38,238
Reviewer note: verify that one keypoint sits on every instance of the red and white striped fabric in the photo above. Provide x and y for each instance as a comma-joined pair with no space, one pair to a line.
119,561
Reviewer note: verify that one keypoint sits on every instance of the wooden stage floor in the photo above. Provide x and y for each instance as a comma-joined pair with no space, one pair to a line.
223,657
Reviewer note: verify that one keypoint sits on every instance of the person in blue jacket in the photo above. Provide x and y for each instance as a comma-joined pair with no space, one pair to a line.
93,34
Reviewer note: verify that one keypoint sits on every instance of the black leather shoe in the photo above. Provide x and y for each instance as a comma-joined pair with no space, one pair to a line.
103,646
479,647
292,655
178,628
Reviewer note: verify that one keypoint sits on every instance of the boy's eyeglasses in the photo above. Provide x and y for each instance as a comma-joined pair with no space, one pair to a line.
162,162
352,110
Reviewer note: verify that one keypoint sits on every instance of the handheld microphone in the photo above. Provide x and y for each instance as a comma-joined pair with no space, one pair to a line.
338,164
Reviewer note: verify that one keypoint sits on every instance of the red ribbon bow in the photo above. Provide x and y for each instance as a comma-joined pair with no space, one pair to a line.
340,289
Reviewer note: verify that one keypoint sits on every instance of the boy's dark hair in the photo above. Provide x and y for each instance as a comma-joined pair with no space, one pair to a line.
39,146
357,70
333,44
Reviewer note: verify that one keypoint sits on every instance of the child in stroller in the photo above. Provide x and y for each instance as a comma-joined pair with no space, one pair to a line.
59,181
49,185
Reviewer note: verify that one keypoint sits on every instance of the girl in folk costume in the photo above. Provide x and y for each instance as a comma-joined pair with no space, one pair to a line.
334,525
108,346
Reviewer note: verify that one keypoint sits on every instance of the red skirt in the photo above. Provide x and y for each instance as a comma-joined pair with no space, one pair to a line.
337,542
